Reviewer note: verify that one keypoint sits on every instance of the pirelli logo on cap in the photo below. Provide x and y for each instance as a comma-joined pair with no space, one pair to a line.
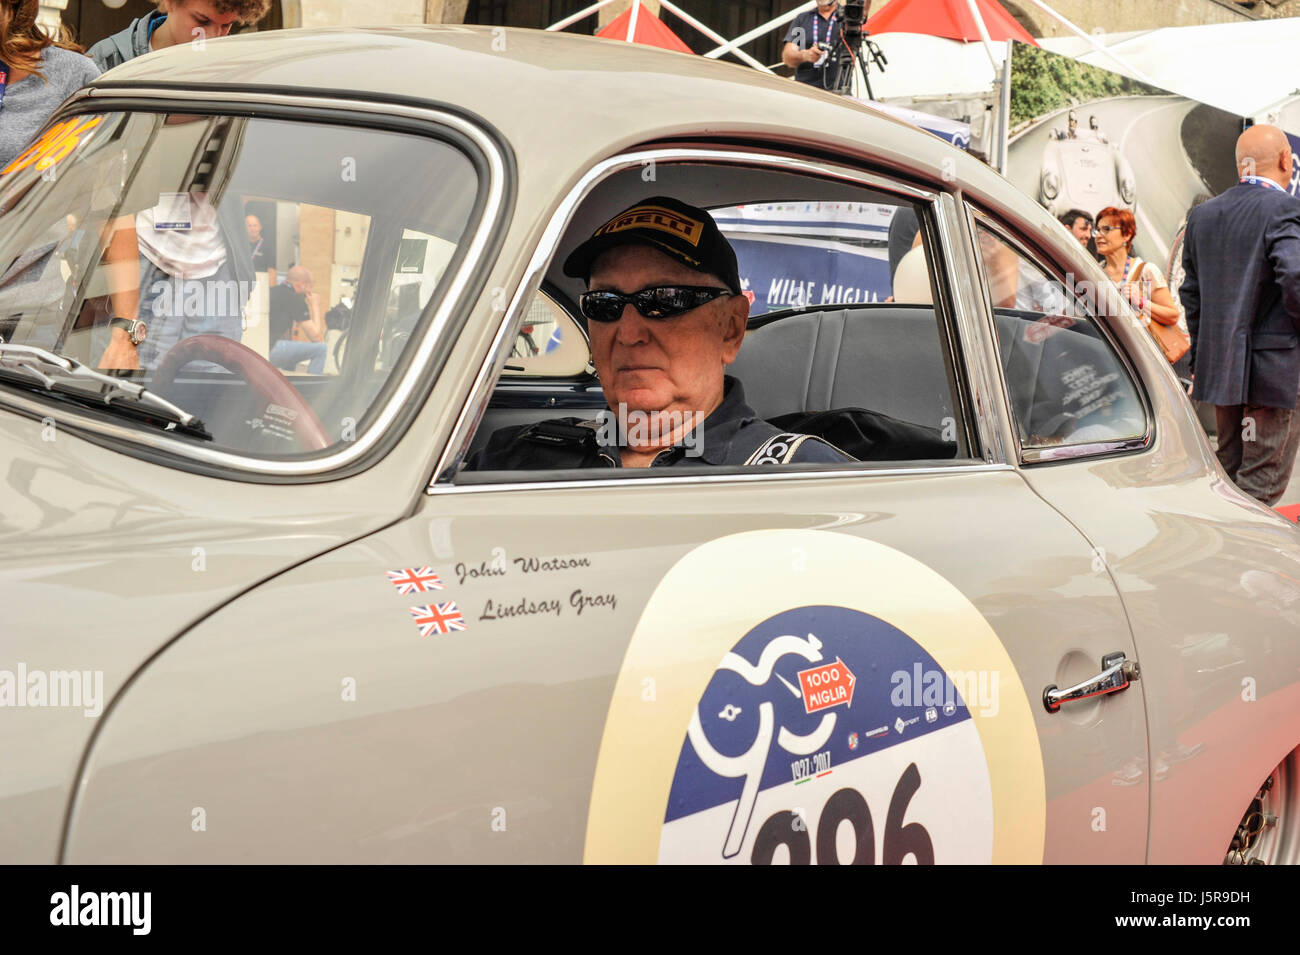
655,217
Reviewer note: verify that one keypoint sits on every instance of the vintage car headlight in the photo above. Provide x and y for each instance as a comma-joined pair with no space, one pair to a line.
1125,179
1127,188
1051,183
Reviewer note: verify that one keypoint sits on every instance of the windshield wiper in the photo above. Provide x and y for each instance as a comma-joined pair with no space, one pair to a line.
31,360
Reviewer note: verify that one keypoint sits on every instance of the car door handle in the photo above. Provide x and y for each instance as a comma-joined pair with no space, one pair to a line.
1116,674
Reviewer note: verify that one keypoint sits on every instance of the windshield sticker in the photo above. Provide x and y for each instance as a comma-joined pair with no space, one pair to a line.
172,212
840,703
55,145
276,421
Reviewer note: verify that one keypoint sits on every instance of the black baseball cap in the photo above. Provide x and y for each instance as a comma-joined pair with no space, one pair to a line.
679,231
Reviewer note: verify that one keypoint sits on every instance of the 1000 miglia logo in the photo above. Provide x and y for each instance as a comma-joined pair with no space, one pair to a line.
803,750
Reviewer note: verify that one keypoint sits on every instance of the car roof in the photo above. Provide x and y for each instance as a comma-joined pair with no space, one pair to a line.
562,102
538,88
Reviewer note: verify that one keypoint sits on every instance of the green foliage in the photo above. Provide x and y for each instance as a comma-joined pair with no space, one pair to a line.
1043,82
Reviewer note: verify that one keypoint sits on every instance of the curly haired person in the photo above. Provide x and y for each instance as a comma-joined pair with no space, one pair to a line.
173,23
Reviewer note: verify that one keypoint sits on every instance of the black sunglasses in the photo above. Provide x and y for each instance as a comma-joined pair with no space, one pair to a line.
664,301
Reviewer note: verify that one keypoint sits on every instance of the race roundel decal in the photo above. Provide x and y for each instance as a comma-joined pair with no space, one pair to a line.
808,697
801,731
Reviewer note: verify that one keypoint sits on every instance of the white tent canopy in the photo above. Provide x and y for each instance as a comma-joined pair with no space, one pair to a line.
921,65
1245,68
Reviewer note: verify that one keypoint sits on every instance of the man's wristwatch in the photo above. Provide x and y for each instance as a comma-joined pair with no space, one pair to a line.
135,329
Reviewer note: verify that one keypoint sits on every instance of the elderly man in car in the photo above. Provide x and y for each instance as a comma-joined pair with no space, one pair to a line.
665,316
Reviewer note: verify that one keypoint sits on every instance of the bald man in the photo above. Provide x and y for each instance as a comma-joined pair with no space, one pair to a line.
1241,292
297,323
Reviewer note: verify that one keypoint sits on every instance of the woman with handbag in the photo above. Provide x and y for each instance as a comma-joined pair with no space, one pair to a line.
1140,282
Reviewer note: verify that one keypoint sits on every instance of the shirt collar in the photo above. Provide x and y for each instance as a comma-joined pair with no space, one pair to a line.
724,422
717,431
1261,181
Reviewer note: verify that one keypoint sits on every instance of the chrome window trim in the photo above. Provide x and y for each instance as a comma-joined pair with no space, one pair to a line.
495,190
1065,452
972,335
480,393
756,474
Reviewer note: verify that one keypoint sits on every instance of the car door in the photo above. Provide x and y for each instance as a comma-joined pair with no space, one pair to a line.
1208,576
677,665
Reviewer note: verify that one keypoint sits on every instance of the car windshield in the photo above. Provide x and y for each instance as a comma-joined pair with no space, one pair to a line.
265,276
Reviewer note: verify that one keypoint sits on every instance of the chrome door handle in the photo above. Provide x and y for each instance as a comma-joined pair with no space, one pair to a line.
1116,674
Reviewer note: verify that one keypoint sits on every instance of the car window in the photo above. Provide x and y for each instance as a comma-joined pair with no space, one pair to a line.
421,260
1066,383
548,343
796,254
277,270
844,340
329,243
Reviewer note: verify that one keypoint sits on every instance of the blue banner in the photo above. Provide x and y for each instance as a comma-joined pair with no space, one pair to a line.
785,272
1295,164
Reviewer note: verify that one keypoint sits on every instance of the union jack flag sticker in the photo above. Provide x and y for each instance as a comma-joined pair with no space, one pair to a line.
438,618
415,580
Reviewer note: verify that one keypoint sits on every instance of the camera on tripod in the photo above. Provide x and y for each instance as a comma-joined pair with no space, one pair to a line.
855,50
855,12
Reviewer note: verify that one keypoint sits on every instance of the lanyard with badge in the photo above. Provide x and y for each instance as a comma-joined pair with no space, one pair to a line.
1261,181
830,31
4,81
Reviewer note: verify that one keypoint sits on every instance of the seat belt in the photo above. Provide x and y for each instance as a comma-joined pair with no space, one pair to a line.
778,449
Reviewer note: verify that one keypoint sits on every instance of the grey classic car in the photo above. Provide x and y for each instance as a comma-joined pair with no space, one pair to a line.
260,307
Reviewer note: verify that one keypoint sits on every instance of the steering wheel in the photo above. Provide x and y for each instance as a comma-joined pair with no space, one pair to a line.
267,382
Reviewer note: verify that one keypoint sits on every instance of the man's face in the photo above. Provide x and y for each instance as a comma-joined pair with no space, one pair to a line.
1081,229
254,227
300,285
184,17
670,364
825,9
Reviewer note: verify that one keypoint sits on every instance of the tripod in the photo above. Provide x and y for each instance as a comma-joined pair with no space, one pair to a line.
848,57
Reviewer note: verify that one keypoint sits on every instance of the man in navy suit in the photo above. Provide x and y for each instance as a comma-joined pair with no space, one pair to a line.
1241,253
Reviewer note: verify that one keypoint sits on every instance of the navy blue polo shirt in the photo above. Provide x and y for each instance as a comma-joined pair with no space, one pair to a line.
732,434
805,30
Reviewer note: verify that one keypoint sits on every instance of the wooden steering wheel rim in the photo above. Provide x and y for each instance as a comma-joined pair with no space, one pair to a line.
264,378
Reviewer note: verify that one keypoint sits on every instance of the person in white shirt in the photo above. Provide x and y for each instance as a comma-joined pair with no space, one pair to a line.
189,283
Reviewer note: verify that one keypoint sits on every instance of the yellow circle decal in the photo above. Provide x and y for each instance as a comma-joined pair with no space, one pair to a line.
813,697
